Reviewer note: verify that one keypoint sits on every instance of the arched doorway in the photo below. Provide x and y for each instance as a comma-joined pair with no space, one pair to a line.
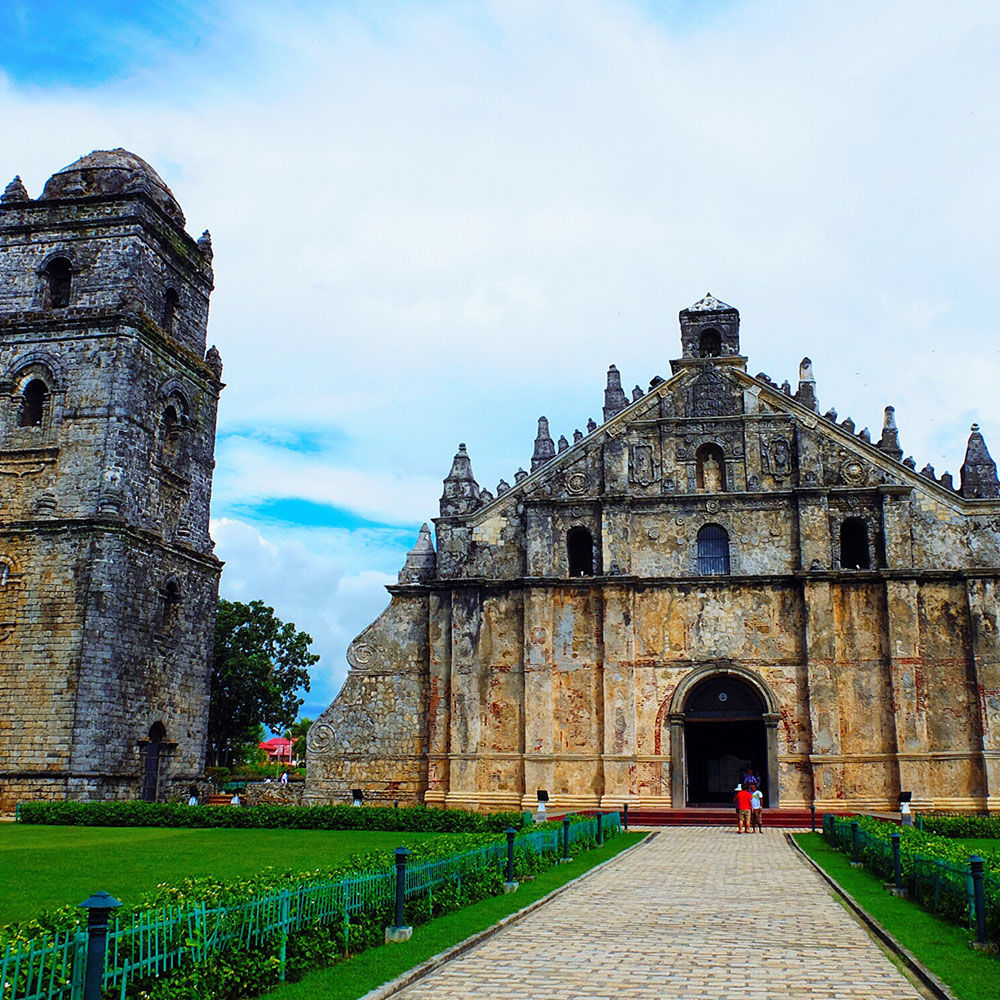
151,766
723,722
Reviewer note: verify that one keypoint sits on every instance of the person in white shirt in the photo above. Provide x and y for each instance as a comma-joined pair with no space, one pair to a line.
756,809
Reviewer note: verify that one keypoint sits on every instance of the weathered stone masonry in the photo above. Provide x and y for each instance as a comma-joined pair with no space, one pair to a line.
108,402
717,575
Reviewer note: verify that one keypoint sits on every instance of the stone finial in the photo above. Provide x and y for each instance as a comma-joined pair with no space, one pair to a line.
946,481
591,425
830,415
637,393
806,394
503,487
545,448
214,361
563,443
889,442
910,462
865,435
485,497
928,471
205,244
615,399
786,387
520,475
577,435
421,560
14,191
848,425
655,381
979,471
461,491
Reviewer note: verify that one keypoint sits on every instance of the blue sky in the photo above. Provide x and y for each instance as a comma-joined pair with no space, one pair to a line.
435,221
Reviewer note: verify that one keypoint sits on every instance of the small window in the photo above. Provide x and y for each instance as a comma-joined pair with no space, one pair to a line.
33,403
170,300
4,574
711,469
580,550
713,550
710,345
854,552
170,598
59,275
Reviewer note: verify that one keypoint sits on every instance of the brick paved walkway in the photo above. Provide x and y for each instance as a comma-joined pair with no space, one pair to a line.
658,924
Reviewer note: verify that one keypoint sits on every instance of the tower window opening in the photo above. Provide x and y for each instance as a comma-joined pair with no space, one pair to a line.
59,275
170,300
710,344
854,553
170,604
711,469
713,550
580,550
33,401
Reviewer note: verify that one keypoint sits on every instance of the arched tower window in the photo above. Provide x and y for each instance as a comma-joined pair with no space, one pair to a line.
854,553
710,344
172,424
170,300
33,403
713,550
58,274
580,551
711,469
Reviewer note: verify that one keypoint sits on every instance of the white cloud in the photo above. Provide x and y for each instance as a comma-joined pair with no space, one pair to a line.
434,222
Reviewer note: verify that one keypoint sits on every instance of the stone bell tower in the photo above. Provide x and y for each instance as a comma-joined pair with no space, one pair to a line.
108,402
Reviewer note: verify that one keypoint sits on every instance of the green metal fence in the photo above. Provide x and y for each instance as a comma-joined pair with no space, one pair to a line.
943,887
156,941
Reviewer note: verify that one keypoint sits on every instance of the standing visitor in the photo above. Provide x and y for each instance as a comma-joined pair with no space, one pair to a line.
756,809
743,802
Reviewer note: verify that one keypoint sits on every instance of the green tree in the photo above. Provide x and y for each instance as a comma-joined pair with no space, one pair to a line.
297,733
258,667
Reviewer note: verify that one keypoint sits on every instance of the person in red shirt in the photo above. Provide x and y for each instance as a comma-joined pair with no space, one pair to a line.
743,802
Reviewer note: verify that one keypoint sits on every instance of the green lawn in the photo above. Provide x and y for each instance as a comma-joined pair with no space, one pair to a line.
49,866
357,976
976,844
941,947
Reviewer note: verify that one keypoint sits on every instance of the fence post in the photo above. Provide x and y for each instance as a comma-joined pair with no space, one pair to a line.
398,931
565,855
600,828
897,867
979,896
509,884
812,814
98,907
854,842
283,951
625,811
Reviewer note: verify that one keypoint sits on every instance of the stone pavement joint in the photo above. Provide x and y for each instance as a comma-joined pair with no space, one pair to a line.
694,913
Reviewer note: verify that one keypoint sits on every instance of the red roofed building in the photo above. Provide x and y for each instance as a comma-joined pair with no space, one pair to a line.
279,750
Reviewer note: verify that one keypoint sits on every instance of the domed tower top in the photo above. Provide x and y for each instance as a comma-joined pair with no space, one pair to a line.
112,172
710,329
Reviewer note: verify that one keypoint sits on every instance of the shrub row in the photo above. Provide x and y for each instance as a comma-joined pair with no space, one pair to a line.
414,819
247,971
962,826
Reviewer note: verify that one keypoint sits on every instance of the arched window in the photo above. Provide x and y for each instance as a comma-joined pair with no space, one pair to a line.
710,345
580,551
854,552
713,550
33,402
711,469
58,274
172,424
170,299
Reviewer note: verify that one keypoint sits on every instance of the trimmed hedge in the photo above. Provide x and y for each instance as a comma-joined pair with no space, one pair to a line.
961,826
414,819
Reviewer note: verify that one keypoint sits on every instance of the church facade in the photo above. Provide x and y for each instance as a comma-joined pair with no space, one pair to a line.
108,582
716,578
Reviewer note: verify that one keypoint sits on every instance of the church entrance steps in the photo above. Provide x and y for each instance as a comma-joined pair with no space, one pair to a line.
692,914
713,816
